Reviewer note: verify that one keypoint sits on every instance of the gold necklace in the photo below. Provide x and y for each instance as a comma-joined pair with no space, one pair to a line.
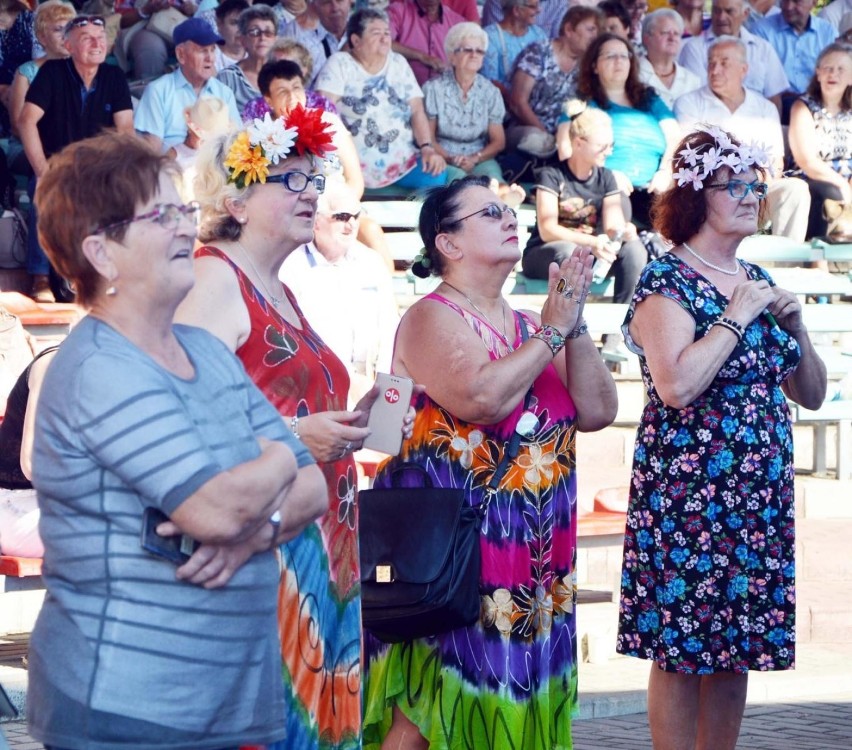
276,301
504,335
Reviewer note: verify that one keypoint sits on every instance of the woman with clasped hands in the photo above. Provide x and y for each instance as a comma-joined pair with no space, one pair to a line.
138,414
708,580
516,667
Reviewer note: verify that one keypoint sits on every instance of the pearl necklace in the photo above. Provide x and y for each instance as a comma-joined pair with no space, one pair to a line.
503,335
711,265
276,301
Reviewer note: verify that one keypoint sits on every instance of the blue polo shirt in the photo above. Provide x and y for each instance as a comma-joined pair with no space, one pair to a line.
798,52
160,112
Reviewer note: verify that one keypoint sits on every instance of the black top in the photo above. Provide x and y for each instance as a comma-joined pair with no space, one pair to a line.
72,113
580,201
12,431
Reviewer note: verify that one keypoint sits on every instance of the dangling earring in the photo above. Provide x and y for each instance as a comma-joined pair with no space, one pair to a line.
111,291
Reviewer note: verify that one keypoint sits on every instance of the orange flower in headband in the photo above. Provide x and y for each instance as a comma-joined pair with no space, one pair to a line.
314,135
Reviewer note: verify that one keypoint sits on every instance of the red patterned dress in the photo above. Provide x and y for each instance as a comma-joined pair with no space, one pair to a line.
319,596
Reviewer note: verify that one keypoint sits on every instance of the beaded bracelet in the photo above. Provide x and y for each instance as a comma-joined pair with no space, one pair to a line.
578,331
294,426
551,336
732,326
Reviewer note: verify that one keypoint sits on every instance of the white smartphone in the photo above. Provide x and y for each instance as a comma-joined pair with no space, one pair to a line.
387,413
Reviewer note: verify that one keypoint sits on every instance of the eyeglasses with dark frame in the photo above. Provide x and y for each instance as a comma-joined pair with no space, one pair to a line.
167,215
469,50
85,21
492,211
739,189
297,182
345,216
265,33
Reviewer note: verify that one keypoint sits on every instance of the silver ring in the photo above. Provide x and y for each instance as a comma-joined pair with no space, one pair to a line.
348,447
569,290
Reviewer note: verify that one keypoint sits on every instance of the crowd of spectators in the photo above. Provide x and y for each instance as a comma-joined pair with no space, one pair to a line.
431,90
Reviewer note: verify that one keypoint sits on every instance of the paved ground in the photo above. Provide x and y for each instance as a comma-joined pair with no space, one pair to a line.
817,724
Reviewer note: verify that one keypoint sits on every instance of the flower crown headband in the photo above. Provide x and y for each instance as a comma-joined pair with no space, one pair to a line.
697,164
268,141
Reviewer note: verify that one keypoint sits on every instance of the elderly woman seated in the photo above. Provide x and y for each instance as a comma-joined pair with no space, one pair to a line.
821,136
466,111
545,76
257,30
50,20
284,48
381,105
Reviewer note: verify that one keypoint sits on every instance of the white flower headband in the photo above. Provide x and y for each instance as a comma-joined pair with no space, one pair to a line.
702,161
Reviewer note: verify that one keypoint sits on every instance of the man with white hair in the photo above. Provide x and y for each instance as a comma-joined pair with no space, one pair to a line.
726,101
160,115
662,32
345,290
765,71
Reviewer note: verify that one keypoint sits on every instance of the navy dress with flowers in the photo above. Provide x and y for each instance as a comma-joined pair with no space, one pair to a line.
708,579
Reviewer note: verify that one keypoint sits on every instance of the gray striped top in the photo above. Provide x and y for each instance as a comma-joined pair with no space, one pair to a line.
123,654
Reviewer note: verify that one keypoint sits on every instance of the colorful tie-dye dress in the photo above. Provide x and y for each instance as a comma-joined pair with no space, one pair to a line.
319,598
708,580
510,680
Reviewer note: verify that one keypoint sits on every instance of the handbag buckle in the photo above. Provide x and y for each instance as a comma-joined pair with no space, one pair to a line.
383,574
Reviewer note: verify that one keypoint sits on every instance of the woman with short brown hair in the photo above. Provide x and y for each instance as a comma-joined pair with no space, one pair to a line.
708,581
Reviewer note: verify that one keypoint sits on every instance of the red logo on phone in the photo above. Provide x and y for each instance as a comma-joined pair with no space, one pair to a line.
391,395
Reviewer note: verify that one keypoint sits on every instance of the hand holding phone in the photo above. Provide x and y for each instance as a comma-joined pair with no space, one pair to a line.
387,414
177,549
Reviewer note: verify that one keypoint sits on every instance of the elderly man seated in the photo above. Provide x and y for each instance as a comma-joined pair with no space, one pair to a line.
765,72
725,101
345,290
160,115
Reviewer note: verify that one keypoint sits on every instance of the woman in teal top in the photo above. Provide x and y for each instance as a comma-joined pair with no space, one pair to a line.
644,128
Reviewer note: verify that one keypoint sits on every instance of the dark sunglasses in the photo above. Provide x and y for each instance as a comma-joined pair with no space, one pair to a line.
344,217
85,21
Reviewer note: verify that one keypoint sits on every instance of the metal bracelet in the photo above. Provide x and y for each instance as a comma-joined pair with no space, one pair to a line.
294,426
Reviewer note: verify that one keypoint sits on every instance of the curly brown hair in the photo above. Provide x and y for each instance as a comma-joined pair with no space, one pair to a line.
679,212
589,84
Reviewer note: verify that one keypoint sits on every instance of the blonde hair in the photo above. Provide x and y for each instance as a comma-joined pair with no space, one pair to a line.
289,46
213,191
589,121
49,14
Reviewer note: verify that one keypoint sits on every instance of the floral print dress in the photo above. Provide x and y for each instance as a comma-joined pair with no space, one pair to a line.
708,579
508,682
319,597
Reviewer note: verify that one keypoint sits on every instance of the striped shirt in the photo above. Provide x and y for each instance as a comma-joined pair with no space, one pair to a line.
123,654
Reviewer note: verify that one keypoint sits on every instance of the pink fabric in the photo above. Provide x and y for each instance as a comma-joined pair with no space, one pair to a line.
410,26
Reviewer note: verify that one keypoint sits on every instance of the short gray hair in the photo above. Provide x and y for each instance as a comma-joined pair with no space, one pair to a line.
509,4
729,41
650,21
257,13
461,31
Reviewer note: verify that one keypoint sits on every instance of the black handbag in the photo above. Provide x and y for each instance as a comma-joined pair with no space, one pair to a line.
419,552
419,559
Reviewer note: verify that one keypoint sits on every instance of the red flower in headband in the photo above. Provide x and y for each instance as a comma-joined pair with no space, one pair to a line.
314,135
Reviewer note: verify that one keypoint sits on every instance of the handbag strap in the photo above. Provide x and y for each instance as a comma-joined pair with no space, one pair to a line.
513,444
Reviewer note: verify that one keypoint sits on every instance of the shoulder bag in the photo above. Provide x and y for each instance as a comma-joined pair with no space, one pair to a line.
419,551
